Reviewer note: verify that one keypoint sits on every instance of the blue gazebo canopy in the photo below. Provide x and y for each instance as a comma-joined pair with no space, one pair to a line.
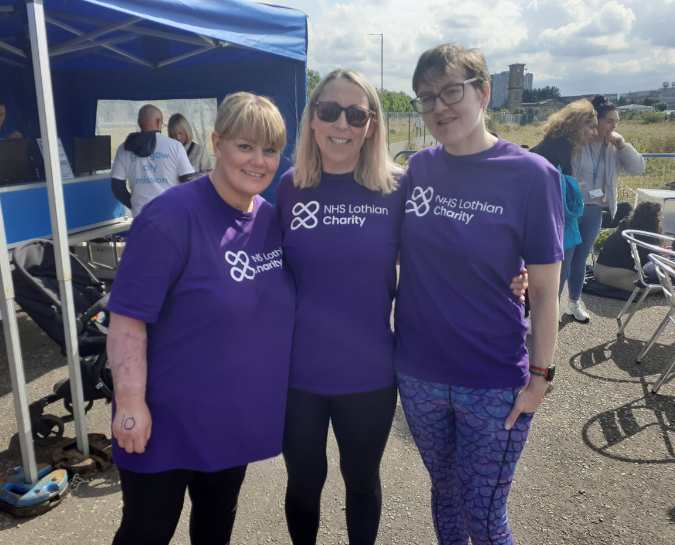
153,49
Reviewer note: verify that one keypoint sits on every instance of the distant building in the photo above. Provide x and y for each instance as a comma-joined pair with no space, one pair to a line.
667,96
635,108
516,83
612,97
539,111
499,84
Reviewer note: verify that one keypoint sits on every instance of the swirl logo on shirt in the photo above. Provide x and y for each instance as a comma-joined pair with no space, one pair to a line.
240,267
419,202
304,215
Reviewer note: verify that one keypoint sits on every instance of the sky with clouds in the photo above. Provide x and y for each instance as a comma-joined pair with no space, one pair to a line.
579,46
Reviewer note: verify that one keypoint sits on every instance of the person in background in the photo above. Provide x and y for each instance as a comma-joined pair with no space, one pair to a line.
477,208
200,337
596,166
180,129
565,134
615,266
149,161
5,130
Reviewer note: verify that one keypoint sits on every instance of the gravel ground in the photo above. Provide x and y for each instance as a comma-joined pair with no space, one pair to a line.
599,467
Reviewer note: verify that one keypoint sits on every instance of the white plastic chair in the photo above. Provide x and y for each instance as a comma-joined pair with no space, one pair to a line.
642,287
665,270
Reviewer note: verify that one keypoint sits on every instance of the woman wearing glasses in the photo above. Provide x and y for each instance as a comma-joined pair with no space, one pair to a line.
341,214
477,209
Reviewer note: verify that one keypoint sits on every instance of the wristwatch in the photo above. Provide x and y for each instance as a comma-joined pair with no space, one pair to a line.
547,372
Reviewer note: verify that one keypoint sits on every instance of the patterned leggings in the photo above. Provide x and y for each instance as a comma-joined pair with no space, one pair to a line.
470,457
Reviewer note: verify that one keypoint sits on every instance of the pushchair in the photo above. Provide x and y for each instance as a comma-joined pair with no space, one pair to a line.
37,292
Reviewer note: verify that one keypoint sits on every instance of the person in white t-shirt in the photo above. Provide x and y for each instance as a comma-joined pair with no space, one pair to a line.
149,161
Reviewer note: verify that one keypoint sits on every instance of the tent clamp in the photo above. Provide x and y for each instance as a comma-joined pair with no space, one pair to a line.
23,499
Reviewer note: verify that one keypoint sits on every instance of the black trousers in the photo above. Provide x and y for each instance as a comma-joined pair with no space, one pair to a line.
361,423
152,503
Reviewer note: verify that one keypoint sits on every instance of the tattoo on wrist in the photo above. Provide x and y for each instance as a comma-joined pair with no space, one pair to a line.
128,423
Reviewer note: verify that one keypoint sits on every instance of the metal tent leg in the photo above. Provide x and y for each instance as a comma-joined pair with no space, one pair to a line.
15,361
45,99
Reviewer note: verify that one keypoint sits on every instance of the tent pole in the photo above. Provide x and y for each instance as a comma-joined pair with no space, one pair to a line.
15,361
45,99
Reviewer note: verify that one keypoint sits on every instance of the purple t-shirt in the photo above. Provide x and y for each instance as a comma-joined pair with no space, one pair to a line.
340,244
209,282
470,223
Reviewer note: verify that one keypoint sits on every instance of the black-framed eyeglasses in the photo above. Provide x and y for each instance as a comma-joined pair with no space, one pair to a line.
449,95
330,111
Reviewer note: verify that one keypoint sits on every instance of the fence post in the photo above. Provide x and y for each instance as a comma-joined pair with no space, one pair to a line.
409,142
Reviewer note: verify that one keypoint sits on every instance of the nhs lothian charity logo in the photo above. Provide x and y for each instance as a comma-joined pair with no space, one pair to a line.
241,269
244,266
304,215
419,202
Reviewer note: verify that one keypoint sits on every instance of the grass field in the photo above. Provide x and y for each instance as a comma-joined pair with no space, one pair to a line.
653,138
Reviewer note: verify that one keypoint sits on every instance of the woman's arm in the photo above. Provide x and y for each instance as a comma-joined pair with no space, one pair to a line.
127,357
543,292
629,159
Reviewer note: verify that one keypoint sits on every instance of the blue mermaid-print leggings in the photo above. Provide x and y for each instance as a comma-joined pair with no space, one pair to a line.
470,457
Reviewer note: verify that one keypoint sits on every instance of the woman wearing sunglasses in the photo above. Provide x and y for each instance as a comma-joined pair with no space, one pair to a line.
341,213
477,209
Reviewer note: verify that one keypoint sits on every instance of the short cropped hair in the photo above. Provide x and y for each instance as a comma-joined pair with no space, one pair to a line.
253,116
147,113
179,122
374,169
436,62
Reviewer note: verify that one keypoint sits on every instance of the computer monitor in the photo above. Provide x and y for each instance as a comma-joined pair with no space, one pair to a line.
91,154
17,161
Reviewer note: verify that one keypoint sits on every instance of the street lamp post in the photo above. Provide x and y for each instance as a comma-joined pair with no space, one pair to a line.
381,60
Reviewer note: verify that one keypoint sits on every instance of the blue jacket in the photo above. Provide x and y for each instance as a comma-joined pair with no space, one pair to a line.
573,203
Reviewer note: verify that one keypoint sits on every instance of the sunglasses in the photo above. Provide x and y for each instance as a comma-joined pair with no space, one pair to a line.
330,112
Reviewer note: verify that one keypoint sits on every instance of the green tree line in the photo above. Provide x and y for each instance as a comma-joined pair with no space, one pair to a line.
541,93
392,101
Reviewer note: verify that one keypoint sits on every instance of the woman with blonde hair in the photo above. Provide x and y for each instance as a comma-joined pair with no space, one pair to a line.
197,394
179,128
566,132
581,139
340,213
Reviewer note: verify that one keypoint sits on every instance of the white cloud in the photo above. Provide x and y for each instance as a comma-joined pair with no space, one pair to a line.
582,46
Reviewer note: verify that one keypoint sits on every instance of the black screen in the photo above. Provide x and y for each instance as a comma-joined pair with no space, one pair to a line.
91,154
16,164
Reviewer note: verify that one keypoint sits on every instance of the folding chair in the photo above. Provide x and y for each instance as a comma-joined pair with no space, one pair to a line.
642,287
665,270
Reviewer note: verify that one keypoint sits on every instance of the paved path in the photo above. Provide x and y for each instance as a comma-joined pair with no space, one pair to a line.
599,468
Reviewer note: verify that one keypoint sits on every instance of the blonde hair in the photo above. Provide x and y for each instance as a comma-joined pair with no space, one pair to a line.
374,170
571,121
179,122
252,115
